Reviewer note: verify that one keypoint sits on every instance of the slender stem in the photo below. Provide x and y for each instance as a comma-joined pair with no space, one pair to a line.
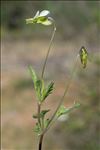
62,98
43,70
55,119
48,51
40,142
39,109
42,124
39,105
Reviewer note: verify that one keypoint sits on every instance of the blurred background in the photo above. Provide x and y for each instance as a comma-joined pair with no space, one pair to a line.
78,24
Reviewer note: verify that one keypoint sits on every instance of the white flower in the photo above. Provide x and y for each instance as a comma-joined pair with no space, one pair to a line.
41,17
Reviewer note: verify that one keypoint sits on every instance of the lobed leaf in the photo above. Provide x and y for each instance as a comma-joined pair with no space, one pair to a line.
33,75
63,110
37,83
48,90
43,113
39,86
37,128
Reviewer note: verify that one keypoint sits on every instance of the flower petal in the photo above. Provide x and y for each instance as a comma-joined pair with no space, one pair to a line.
37,14
44,13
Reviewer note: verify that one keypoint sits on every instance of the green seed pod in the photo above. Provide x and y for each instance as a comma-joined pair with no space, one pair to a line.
83,56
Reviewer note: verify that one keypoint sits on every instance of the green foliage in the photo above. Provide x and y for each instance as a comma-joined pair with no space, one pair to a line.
46,123
37,128
33,75
48,90
42,92
63,110
43,113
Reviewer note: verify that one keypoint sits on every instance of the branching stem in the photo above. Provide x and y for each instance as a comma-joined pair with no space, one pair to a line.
62,98
39,105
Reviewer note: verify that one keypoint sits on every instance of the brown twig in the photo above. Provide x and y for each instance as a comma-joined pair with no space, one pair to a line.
40,141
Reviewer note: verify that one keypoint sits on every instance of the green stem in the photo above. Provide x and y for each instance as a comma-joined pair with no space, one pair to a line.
42,124
62,98
48,51
39,109
43,70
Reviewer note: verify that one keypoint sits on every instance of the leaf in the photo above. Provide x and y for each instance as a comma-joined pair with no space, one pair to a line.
46,122
63,110
48,90
38,89
37,128
33,75
43,113
39,86
83,56
37,83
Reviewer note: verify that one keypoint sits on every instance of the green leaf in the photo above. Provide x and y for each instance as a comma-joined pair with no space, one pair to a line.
37,128
46,122
63,110
48,90
38,89
36,81
43,113
39,86
83,56
33,75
